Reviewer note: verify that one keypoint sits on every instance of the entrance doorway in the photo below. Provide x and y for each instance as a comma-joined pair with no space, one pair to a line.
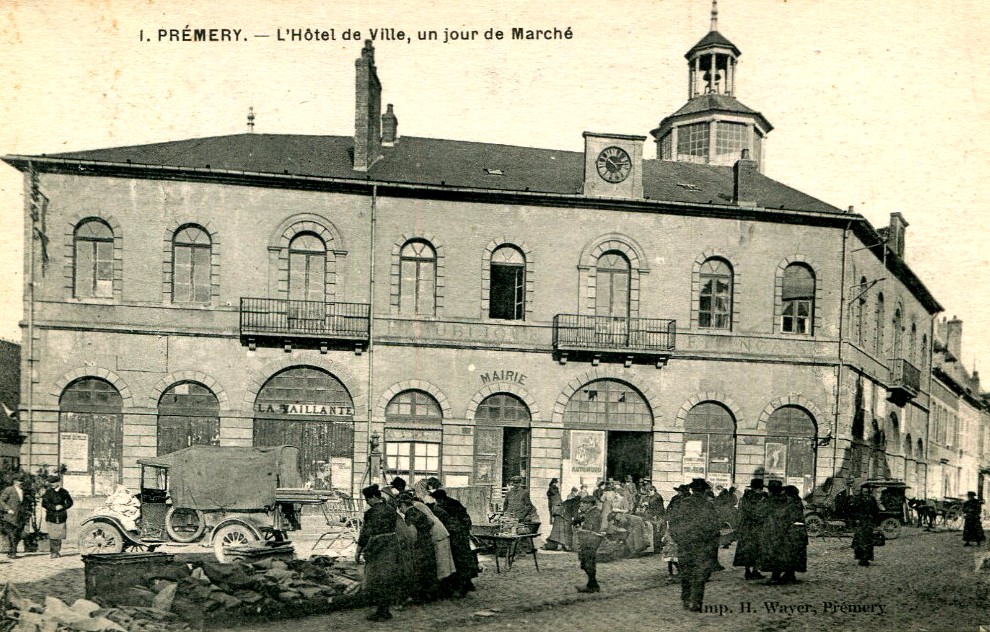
501,440
515,453
628,454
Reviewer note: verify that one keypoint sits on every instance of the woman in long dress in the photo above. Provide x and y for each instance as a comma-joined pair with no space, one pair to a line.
972,528
378,544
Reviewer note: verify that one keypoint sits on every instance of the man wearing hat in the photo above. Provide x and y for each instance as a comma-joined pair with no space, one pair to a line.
588,533
11,524
752,513
972,528
377,543
56,502
694,526
518,504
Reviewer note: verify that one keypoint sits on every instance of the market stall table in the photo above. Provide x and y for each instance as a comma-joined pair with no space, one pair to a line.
497,543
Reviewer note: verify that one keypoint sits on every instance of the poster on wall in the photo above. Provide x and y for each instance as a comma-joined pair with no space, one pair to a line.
74,451
776,458
584,462
716,479
694,462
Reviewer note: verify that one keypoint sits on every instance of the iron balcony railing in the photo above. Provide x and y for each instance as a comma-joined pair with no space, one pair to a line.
309,319
613,333
904,375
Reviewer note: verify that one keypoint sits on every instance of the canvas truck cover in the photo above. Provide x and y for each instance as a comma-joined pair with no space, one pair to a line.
208,477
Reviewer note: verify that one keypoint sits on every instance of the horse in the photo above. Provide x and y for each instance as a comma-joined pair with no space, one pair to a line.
925,510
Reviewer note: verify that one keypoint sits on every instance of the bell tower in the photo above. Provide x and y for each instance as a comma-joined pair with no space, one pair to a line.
713,127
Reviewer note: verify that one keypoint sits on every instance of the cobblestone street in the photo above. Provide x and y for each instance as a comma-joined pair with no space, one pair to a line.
921,581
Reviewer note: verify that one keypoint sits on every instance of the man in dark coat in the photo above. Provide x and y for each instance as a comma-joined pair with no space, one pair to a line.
865,513
694,526
972,529
775,553
796,539
56,501
588,532
752,513
378,545
455,518
12,514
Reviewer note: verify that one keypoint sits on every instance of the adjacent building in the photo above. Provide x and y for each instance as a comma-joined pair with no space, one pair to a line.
472,311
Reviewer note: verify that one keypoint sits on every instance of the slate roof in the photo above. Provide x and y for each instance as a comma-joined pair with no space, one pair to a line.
439,162
714,103
714,38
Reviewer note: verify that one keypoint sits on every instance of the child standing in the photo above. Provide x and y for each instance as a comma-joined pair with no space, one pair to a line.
669,552
587,532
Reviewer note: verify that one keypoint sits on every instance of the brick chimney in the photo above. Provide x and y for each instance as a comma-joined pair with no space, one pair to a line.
953,337
895,234
744,180
367,110
390,127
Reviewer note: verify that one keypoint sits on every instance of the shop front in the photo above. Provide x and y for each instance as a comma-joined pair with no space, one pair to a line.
311,409
608,433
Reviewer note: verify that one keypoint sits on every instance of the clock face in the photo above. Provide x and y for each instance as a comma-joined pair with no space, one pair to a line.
613,165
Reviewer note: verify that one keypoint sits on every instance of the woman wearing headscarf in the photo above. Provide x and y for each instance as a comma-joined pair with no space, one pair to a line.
423,584
378,544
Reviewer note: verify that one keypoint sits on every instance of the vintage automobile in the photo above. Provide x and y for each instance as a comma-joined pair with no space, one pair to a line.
233,495
827,514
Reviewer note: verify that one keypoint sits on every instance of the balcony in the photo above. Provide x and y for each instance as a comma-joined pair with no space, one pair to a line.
905,381
640,340
305,324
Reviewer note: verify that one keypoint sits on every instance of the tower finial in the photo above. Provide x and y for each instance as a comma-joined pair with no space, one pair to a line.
714,15
250,119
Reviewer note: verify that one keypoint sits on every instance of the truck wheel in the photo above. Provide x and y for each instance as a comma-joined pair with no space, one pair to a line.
815,525
98,538
184,525
891,528
231,535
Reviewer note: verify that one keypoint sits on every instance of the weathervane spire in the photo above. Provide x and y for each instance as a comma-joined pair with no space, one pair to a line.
250,119
714,15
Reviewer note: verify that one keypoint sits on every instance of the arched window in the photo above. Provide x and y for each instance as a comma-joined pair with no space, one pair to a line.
920,452
91,435
418,279
878,332
709,443
894,431
798,300
612,295
608,404
908,446
790,447
191,254
923,364
307,268
188,414
860,304
896,333
715,297
93,260
507,293
913,342
413,434
504,409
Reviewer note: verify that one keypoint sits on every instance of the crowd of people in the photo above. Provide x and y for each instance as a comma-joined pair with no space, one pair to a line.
416,545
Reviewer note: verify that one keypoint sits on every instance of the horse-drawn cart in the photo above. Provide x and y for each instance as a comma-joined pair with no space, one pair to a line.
829,515
233,495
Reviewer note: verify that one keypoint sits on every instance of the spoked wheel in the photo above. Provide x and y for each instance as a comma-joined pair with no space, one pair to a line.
815,524
98,538
184,525
231,535
891,528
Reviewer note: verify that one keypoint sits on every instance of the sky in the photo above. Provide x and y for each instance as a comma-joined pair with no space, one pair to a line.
883,105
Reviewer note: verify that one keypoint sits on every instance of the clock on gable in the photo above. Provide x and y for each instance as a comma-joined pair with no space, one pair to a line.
613,165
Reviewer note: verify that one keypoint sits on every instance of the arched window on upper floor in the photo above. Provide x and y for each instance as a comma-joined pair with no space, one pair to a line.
896,332
612,276
878,330
860,307
93,260
798,300
307,268
507,292
191,265
418,278
715,295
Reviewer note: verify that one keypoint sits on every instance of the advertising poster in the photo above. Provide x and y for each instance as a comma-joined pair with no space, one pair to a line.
776,458
74,451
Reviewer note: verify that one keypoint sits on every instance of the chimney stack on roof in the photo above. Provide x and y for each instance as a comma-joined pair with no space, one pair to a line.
367,110
390,127
895,234
953,337
744,180
250,119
